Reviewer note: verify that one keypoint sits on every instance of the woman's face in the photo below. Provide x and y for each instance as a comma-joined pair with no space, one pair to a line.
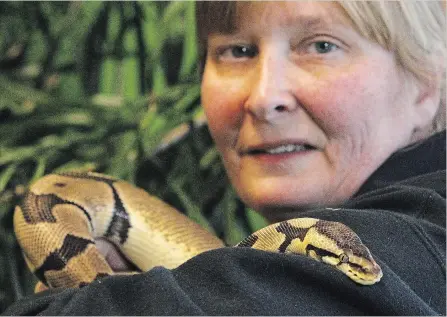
301,107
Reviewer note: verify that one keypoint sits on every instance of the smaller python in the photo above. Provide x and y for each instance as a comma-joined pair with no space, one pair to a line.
61,215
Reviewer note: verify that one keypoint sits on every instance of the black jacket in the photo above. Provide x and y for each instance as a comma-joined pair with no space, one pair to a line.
399,214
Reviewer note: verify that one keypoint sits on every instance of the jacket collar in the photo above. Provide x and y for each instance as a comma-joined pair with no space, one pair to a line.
426,156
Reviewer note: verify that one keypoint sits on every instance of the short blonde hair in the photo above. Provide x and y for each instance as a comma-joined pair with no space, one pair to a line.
413,30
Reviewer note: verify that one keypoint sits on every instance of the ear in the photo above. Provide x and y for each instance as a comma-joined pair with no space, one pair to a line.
426,106
428,101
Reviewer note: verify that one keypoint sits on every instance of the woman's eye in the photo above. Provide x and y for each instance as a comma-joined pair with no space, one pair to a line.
323,47
236,52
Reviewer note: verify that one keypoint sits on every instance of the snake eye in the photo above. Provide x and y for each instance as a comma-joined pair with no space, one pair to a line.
343,258
60,184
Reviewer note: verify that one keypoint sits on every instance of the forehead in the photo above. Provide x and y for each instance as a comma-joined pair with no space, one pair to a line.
306,14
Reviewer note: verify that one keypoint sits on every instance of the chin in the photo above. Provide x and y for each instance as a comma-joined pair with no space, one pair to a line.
277,205
284,199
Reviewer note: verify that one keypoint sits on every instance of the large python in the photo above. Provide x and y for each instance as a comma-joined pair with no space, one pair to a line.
61,215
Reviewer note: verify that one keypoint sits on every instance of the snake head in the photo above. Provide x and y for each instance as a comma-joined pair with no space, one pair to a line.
340,247
360,268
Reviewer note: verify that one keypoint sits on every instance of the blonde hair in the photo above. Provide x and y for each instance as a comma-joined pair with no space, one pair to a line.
413,30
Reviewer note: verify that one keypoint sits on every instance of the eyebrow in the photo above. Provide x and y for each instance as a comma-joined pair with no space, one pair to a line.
306,21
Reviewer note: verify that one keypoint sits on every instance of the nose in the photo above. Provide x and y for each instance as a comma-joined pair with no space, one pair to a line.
270,97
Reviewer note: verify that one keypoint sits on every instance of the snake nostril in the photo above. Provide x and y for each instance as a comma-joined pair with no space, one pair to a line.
280,108
60,184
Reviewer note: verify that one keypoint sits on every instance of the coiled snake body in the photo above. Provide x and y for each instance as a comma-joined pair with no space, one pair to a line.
62,214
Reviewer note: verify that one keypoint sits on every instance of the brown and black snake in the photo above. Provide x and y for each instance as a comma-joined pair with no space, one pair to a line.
61,215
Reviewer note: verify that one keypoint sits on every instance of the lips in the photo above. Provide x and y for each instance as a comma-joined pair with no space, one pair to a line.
281,147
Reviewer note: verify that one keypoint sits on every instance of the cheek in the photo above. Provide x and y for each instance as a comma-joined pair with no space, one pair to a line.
346,103
222,105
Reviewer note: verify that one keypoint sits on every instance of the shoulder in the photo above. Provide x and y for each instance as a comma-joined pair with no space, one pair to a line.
421,197
427,158
410,182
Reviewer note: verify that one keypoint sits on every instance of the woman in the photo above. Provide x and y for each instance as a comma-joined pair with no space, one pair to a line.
330,110
304,77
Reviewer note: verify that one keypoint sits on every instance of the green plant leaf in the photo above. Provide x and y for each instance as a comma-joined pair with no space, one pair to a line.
130,78
190,51
6,175
192,210
40,168
110,78
209,158
233,232
123,163
255,220
76,165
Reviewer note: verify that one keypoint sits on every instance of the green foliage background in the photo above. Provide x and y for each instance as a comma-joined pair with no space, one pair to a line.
111,87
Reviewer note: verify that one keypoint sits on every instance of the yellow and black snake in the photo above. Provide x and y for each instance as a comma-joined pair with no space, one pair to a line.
62,214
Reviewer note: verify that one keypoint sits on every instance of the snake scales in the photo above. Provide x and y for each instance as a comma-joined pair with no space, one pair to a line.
61,215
